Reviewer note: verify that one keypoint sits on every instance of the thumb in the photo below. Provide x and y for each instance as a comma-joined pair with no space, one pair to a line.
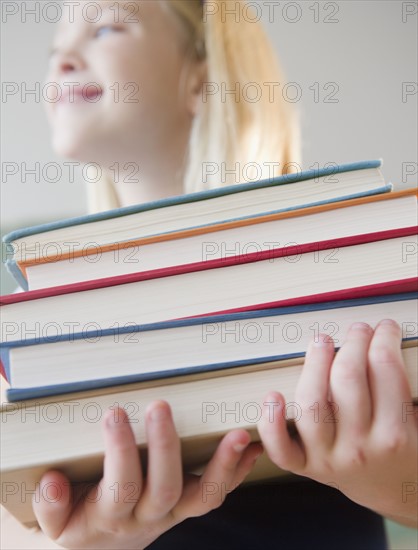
52,503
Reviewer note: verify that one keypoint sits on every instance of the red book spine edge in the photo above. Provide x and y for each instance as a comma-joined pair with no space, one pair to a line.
366,291
3,371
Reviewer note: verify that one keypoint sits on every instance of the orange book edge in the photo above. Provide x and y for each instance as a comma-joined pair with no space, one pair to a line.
216,227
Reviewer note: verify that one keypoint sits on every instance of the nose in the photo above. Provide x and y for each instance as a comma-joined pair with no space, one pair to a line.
68,64
65,61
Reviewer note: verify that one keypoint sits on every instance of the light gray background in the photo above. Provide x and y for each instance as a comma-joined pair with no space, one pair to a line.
369,53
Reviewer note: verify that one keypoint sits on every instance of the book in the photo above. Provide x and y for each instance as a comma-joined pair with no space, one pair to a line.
365,265
64,435
94,359
201,209
239,237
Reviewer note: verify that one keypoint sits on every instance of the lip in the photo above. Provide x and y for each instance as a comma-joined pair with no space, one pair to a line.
88,93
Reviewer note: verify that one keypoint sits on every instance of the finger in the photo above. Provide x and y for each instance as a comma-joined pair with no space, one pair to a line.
349,384
164,477
223,467
230,461
388,383
282,449
52,503
245,465
312,395
119,489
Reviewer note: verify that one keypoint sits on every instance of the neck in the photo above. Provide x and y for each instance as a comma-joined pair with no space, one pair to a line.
132,187
137,183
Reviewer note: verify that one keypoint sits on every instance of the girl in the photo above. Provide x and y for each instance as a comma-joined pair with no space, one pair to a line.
171,58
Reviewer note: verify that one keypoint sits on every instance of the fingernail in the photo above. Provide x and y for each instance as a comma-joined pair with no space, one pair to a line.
113,420
257,456
272,406
239,447
388,322
158,413
360,326
321,340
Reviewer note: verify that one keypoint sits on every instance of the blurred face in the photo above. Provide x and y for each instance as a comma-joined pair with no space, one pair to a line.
120,83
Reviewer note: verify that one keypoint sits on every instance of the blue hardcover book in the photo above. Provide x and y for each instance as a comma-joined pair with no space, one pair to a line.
93,359
203,209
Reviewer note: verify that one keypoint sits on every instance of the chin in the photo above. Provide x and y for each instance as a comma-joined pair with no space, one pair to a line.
72,148
64,151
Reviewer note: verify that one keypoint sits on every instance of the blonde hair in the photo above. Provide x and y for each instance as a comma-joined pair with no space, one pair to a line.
235,131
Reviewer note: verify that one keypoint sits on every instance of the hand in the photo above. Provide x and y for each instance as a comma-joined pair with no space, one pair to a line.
141,509
357,428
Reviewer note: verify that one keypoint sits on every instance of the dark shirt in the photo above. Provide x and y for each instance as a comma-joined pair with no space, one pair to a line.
297,514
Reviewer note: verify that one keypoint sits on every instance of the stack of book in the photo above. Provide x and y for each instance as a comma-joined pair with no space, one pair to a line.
206,300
